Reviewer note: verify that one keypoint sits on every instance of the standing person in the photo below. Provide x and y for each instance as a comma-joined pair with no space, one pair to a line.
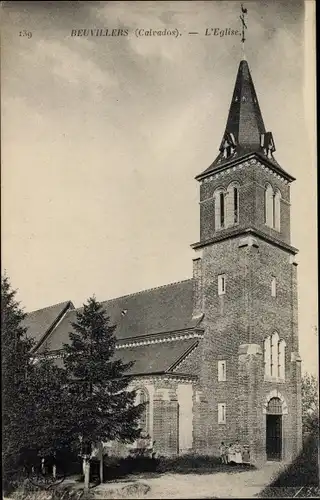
246,455
238,454
231,454
223,453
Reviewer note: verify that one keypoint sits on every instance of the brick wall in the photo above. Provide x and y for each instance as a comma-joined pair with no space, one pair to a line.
201,418
252,180
191,365
246,314
170,417
166,423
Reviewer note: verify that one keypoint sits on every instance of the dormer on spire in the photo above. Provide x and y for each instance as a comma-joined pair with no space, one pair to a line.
267,144
245,132
228,145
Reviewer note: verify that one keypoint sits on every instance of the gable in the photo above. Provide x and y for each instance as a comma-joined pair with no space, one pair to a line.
190,363
41,322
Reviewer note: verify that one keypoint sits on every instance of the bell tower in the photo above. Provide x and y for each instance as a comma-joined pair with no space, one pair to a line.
246,158
247,289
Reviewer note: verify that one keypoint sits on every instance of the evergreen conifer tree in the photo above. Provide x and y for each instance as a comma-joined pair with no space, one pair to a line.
15,365
48,411
35,396
103,406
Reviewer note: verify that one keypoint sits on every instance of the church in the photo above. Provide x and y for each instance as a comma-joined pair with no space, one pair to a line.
217,355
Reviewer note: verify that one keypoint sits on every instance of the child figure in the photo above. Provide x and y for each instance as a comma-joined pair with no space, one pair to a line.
238,454
246,455
223,453
231,454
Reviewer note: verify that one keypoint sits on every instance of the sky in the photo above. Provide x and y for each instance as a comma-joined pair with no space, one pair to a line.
102,138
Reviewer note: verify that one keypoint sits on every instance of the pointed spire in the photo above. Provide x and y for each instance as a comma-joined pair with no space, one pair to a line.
245,132
245,121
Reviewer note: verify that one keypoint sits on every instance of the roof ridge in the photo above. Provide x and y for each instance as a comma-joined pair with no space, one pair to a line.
114,298
146,290
50,307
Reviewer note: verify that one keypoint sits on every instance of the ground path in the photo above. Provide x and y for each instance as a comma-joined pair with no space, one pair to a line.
218,485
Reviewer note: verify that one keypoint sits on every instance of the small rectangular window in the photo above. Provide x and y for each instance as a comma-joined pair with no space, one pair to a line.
221,284
221,371
273,287
221,413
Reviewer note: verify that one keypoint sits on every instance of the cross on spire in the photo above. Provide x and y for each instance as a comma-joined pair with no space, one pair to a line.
244,12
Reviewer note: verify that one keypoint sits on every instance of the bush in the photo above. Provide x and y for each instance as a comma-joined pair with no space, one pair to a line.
302,472
28,492
70,462
116,467
187,463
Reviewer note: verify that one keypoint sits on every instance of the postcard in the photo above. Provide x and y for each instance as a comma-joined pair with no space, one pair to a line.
159,233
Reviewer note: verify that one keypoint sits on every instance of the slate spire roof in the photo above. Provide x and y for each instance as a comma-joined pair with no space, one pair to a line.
245,132
245,121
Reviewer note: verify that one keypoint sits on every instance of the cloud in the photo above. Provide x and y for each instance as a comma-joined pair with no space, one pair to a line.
69,65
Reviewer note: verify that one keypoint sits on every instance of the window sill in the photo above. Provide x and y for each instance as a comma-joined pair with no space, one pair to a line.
227,227
273,228
268,378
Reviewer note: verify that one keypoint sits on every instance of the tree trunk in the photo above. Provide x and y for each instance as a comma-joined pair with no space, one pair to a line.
54,467
101,463
86,467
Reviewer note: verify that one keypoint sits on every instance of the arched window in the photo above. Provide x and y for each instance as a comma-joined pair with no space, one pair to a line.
276,210
267,354
274,407
272,207
268,206
281,359
274,354
274,357
232,205
219,208
142,397
236,204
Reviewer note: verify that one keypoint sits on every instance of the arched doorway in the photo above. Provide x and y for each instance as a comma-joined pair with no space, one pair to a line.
274,429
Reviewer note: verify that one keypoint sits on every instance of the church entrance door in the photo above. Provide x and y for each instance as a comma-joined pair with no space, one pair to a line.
274,429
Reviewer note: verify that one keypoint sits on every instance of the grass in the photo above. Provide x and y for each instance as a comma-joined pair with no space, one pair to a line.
301,477
128,470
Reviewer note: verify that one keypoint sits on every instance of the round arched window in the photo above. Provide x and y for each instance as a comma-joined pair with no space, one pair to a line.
274,407
142,398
